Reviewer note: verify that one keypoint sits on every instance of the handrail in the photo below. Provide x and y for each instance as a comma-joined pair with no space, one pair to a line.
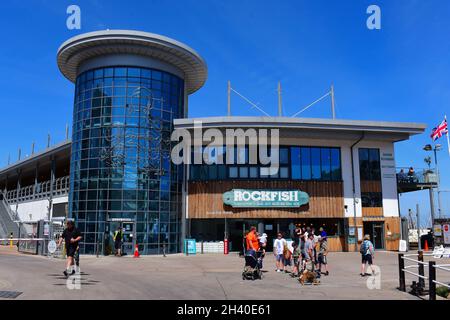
41,190
419,289
7,207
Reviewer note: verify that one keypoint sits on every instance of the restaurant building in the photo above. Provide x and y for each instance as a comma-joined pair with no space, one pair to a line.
344,170
131,92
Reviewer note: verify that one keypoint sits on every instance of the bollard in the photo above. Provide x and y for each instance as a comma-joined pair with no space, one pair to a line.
421,272
202,247
431,279
401,272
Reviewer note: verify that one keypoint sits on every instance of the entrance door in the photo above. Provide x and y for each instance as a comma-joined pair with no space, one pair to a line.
128,238
378,235
376,232
128,241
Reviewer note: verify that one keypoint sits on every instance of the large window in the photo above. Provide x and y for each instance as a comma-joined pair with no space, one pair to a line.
369,164
296,163
371,199
120,163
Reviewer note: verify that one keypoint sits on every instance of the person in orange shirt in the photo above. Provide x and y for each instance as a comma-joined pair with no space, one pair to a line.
252,240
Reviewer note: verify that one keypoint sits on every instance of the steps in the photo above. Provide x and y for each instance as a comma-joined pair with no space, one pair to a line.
7,224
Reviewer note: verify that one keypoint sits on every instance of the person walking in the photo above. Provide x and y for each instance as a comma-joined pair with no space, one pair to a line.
309,253
296,256
323,251
278,248
367,255
72,237
118,238
252,242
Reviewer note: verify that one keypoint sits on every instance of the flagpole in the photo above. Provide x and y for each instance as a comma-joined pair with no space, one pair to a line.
448,139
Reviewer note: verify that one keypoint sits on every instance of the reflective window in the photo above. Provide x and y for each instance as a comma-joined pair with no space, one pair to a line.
121,135
369,164
297,163
315,164
325,163
305,159
371,199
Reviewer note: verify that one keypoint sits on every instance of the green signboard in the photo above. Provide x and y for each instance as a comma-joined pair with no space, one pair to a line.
244,198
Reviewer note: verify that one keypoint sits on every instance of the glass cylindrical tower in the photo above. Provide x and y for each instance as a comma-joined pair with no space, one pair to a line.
130,86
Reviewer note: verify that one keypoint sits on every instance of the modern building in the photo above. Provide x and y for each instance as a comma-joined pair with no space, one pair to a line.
131,92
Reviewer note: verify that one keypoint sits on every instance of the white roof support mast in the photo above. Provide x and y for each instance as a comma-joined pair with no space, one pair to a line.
280,101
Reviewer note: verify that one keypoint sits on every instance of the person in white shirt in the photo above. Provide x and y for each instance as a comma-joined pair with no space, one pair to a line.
263,240
278,247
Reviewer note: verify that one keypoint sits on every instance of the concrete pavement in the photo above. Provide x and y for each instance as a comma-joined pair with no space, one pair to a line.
208,276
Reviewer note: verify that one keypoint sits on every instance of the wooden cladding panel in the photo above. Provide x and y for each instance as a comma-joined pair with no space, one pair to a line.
336,244
372,212
370,186
392,226
326,200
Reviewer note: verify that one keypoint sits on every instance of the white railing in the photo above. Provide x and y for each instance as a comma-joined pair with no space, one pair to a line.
419,287
39,191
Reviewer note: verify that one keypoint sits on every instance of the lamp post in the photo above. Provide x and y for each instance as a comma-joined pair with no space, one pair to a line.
436,148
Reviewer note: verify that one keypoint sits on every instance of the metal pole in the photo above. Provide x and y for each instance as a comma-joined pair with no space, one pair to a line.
421,272
401,272
226,229
48,140
280,110
432,209
438,184
333,110
431,279
67,131
32,148
419,244
229,98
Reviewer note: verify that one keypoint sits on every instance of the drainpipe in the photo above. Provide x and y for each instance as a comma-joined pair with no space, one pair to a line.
354,187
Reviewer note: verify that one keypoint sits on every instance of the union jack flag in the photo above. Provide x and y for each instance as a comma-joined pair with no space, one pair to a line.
440,130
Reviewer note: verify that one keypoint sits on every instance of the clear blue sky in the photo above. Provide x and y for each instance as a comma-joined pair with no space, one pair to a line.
399,73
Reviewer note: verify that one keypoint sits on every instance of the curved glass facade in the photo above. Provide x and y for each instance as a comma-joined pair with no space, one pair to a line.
121,172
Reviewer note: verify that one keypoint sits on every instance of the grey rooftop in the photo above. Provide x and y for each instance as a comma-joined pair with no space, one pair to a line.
80,48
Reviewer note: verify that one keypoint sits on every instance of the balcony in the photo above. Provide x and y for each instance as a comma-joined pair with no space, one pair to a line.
420,179
39,191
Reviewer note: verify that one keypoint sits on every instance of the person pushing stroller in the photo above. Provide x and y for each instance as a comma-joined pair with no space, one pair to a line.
253,256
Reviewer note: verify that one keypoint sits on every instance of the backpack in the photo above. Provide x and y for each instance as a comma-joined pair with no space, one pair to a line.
363,248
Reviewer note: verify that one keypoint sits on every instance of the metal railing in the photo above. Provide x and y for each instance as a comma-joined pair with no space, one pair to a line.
40,191
419,287
423,176
5,203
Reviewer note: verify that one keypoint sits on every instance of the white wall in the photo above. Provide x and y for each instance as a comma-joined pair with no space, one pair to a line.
36,210
388,175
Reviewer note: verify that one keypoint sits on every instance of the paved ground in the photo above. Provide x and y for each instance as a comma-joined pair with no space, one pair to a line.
207,276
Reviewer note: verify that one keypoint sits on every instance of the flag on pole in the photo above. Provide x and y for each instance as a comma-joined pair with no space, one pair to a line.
440,130
448,139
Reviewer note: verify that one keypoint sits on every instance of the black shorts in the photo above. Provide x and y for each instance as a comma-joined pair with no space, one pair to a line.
118,245
71,251
366,258
322,259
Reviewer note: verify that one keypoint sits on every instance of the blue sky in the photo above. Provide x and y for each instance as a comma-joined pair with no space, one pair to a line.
398,73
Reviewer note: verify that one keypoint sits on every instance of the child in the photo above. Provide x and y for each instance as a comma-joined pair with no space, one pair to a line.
296,255
287,255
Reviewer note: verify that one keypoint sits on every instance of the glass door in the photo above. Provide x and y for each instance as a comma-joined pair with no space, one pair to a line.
128,238
378,235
